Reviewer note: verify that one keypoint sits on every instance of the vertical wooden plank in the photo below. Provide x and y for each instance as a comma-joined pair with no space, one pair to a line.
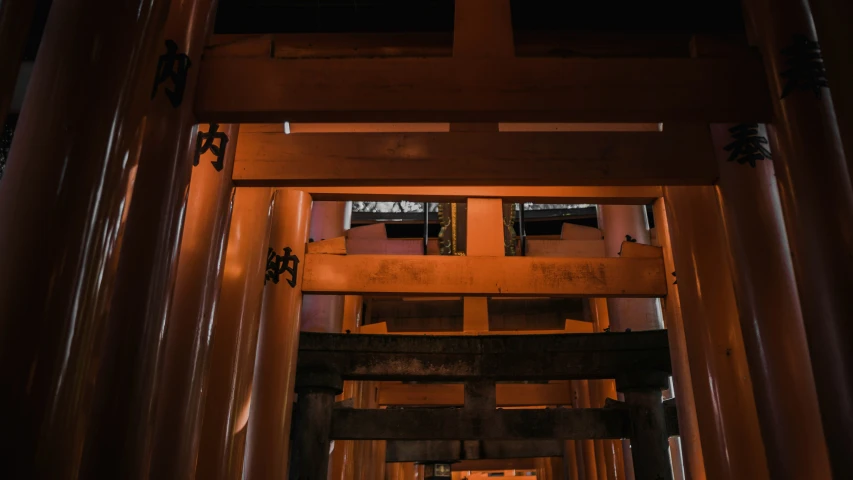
79,134
278,340
725,407
483,28
232,362
688,425
484,238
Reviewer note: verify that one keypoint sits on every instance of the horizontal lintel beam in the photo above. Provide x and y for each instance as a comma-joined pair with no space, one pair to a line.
452,394
498,357
625,195
679,155
457,424
264,89
413,275
453,450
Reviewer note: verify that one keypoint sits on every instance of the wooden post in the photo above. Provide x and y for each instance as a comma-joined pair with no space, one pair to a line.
725,408
343,454
614,466
147,266
649,439
688,424
189,337
16,17
312,423
278,339
771,319
232,361
324,313
587,467
79,135
836,42
817,203
570,460
621,223
485,238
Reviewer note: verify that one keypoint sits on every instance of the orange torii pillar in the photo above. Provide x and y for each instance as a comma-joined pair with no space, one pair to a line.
601,390
324,313
63,199
147,266
726,412
190,323
817,204
628,223
343,452
771,319
232,361
268,440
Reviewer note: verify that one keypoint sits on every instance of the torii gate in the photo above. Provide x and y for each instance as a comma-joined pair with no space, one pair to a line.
85,291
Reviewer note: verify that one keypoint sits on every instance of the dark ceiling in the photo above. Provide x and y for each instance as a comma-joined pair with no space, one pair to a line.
341,16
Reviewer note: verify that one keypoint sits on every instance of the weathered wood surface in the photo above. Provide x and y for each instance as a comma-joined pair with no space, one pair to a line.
456,424
452,394
454,450
483,276
497,357
264,89
479,158
623,195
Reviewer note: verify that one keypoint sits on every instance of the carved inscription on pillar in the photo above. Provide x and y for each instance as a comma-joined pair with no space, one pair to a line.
205,142
281,264
805,70
747,145
172,66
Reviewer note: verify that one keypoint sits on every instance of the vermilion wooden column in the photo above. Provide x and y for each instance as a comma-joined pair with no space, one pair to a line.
63,200
268,441
324,313
343,455
770,314
585,448
836,41
622,223
16,16
148,262
190,328
614,467
817,203
688,423
726,410
232,361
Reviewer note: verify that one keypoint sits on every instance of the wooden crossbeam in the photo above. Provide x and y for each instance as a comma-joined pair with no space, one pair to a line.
680,155
495,357
453,450
624,195
452,394
264,89
483,276
457,424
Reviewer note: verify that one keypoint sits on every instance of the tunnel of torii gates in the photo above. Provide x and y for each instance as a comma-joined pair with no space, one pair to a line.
180,302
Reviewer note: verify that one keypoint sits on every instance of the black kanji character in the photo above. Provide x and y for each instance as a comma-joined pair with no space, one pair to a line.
204,142
172,66
805,67
748,145
278,264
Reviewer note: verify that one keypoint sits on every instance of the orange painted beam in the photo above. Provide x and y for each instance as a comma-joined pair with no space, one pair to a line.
478,158
508,395
413,275
265,89
624,195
